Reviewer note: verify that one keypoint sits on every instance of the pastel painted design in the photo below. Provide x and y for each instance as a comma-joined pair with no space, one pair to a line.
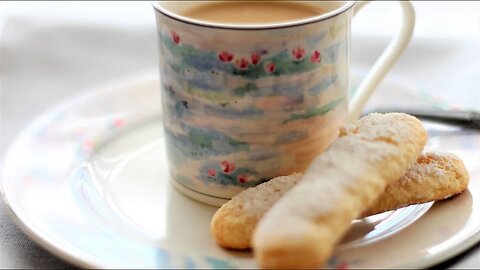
241,109
252,67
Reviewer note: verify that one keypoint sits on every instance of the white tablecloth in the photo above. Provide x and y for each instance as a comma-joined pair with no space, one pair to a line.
50,52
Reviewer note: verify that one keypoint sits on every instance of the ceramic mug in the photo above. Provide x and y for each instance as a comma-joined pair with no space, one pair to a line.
245,103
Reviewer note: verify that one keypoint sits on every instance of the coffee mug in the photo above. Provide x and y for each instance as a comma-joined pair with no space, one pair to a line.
245,103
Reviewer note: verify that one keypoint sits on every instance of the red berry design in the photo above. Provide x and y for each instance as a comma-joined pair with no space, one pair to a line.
270,67
227,167
175,38
212,173
255,57
242,178
316,57
225,56
298,53
242,63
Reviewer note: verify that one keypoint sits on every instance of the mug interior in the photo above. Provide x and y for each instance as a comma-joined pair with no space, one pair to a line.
174,9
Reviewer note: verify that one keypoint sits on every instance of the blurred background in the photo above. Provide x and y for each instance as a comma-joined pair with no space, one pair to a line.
52,51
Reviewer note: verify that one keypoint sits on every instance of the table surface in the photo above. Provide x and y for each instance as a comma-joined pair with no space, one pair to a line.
50,52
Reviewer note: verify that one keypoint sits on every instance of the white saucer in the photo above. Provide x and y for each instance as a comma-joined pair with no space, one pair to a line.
88,181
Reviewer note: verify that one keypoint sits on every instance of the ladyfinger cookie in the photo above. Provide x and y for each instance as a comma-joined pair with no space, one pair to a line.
434,176
300,230
233,224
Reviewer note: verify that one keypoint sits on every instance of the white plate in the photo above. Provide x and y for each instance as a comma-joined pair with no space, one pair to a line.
88,181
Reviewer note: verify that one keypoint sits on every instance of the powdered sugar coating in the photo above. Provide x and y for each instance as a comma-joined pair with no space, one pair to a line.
300,230
434,176
257,200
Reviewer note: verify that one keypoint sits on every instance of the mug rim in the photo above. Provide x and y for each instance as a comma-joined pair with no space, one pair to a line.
315,19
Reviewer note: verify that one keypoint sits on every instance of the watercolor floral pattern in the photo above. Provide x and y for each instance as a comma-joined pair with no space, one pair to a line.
298,53
225,172
232,85
225,56
314,111
258,64
316,57
199,143
255,57
175,38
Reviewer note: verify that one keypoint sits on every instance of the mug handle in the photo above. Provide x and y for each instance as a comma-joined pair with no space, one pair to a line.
385,61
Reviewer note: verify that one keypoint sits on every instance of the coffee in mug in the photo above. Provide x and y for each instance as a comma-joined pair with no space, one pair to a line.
251,12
